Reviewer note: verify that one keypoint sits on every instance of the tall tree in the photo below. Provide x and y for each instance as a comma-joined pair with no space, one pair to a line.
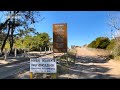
114,23
18,20
41,40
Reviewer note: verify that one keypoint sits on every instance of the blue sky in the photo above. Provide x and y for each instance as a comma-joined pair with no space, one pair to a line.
82,26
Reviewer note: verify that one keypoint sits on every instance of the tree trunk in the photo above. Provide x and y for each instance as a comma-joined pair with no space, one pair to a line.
12,31
4,42
11,40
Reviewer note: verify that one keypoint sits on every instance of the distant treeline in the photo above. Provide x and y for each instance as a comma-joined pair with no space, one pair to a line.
107,44
33,43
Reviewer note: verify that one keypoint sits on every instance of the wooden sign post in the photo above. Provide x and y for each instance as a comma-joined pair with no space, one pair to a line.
59,40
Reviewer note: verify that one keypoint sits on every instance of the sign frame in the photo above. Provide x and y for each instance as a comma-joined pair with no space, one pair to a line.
39,65
60,45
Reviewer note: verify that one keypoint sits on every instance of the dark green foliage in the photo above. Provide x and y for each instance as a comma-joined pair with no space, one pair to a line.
34,42
92,44
104,42
100,42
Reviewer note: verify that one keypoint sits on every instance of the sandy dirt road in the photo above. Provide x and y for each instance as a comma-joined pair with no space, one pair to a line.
91,65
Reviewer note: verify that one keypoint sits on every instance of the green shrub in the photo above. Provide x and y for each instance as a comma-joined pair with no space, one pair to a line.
111,45
117,58
92,44
100,42
116,50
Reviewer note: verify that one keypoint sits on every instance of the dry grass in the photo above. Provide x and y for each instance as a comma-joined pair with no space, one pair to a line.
117,58
100,51
72,51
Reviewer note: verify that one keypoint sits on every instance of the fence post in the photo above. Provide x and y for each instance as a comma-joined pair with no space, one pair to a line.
15,52
40,50
5,55
49,49
45,50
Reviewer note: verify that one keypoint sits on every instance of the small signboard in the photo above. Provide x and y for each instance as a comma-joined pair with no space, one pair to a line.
60,38
43,65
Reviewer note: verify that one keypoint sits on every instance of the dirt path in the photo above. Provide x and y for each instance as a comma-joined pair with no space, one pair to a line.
90,66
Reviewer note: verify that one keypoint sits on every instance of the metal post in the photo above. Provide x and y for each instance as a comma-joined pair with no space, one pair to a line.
31,75
54,75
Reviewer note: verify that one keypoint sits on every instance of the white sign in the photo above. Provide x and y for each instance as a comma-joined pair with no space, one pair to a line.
43,65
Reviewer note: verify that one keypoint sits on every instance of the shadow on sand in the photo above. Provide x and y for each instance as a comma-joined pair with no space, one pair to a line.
84,68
